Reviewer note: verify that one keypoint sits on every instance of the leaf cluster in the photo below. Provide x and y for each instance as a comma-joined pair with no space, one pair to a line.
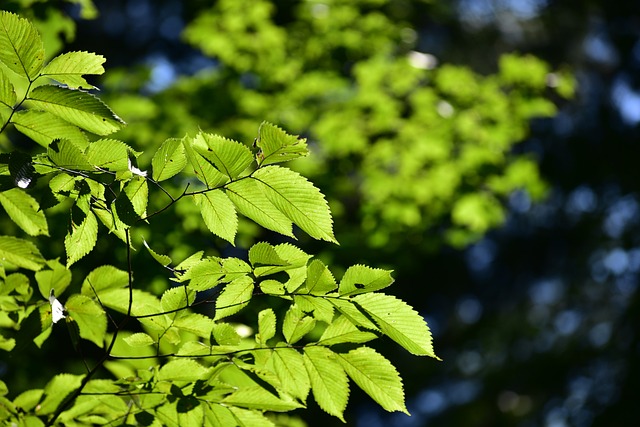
179,357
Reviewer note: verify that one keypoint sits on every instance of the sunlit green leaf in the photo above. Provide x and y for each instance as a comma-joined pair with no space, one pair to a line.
360,279
277,146
109,154
57,277
266,326
376,376
218,214
298,199
56,390
24,211
289,366
7,92
329,382
251,201
139,339
296,324
229,157
81,239
342,330
69,68
21,48
258,398
44,127
398,321
80,108
164,260
90,317
169,160
21,253
235,296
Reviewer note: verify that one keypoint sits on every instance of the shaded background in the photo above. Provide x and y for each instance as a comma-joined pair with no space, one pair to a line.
536,320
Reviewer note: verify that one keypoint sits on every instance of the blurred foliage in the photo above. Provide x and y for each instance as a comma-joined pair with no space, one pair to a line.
410,147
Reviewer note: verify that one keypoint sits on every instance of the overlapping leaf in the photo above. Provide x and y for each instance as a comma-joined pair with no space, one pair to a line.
90,317
77,107
235,296
229,157
69,68
44,127
277,146
21,253
7,92
81,239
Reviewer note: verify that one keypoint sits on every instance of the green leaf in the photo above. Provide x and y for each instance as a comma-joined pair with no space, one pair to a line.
109,154
251,201
296,324
298,199
69,68
20,253
90,317
182,370
266,326
329,382
81,239
103,278
109,218
163,260
169,160
137,191
205,172
21,48
319,281
24,211
225,334
229,157
218,214
204,275
320,308
57,277
57,390
218,415
353,313
235,296
66,154
80,108
341,330
177,298
359,279
257,397
376,376
399,322
196,324
249,418
7,92
289,367
139,339
277,146
44,127
263,253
